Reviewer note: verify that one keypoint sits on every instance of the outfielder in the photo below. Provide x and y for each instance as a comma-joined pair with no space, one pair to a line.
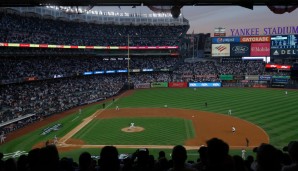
230,112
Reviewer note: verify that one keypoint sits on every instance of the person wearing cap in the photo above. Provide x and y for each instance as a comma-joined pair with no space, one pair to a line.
292,149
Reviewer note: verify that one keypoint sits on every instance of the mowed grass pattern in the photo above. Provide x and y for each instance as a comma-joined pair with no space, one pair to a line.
270,109
158,131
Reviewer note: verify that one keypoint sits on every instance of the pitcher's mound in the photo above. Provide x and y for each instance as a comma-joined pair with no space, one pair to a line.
133,129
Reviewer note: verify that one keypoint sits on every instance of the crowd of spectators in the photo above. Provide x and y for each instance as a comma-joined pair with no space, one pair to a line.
210,70
44,98
44,67
15,28
151,77
213,157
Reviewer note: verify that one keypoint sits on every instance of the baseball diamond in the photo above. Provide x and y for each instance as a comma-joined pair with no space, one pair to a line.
141,107
82,88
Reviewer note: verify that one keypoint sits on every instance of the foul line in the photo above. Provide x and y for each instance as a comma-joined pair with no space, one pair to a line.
85,122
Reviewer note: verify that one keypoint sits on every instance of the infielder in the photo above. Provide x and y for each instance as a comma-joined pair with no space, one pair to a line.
233,129
117,107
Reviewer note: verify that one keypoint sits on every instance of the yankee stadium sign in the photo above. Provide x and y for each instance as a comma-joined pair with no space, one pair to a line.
263,31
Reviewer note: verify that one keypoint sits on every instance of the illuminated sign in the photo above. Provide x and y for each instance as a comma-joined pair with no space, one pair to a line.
263,31
240,49
284,52
260,49
225,39
284,42
256,39
216,84
220,49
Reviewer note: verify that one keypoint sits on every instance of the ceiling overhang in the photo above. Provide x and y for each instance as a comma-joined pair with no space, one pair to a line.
245,3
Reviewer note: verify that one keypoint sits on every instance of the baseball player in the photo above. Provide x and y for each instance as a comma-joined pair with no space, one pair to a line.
2,137
286,92
117,107
247,142
233,129
230,112
55,139
243,154
80,111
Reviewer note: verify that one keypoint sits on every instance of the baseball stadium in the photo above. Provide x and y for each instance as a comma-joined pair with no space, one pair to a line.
74,86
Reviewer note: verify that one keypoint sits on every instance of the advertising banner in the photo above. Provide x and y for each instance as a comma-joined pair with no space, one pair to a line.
110,71
278,85
142,85
147,70
239,77
88,73
253,39
226,77
159,84
280,76
135,70
265,77
31,78
216,40
164,69
177,84
220,50
276,66
195,84
284,42
122,71
85,47
284,52
280,80
260,49
240,49
99,72
252,77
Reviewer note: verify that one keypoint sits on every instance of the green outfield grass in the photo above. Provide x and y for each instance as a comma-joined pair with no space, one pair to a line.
270,109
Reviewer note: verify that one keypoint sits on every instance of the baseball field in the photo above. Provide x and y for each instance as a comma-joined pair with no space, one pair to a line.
164,117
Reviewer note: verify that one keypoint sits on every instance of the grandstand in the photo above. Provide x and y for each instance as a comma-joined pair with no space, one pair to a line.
98,71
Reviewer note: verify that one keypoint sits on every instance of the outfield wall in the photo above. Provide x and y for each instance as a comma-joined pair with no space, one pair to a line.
254,81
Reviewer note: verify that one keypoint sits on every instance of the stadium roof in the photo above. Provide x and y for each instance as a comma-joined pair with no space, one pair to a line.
244,3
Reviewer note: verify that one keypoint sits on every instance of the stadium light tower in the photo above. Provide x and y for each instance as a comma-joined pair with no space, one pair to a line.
128,60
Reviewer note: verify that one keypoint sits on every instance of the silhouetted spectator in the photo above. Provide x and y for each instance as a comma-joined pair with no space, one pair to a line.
268,158
49,158
85,162
292,148
109,160
201,165
10,165
218,157
22,163
179,156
